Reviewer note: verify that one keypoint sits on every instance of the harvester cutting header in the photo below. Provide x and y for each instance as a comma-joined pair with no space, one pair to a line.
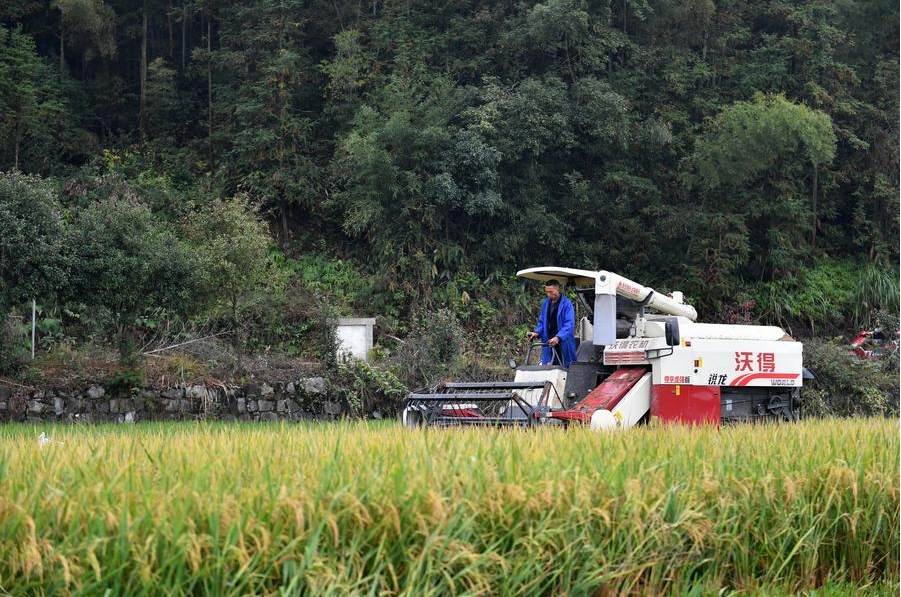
640,355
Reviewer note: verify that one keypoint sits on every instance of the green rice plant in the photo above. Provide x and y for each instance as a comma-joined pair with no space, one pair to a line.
375,509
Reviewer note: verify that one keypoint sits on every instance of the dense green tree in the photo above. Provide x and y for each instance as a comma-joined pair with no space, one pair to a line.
32,252
87,27
755,169
394,192
866,188
161,102
230,241
30,109
125,260
265,136
434,142
350,73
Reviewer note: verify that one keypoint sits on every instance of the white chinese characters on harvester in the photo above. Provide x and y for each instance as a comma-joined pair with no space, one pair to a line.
641,356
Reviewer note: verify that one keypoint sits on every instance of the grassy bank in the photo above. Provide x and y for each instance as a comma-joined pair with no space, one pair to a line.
215,509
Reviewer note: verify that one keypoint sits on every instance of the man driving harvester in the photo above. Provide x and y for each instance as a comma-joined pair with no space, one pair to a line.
556,327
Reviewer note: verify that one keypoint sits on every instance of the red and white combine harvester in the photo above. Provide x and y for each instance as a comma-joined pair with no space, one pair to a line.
641,356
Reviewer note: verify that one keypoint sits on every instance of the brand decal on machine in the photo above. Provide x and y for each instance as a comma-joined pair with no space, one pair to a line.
633,344
776,379
686,379
755,361
631,289
760,365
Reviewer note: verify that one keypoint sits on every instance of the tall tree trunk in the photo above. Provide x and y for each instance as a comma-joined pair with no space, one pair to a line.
209,90
18,136
184,26
813,208
171,51
704,49
569,62
62,50
282,94
338,15
143,92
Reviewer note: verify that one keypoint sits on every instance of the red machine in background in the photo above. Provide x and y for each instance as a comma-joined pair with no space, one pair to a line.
872,344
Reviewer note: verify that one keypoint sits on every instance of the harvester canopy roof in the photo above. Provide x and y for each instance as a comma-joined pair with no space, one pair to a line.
566,275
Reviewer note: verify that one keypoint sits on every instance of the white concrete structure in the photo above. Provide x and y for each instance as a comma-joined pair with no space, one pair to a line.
355,337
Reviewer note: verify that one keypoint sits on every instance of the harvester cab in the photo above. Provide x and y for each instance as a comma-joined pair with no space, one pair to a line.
640,355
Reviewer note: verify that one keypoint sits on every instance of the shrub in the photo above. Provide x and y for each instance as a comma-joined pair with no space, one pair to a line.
431,351
816,299
845,385
339,278
126,261
325,330
829,296
230,240
12,344
292,319
32,256
367,388
876,294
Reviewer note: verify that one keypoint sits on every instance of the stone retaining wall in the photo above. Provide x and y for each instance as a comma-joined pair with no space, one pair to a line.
292,401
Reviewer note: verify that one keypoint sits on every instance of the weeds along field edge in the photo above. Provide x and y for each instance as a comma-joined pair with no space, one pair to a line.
237,509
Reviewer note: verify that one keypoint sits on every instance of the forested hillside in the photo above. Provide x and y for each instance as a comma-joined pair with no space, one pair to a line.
410,155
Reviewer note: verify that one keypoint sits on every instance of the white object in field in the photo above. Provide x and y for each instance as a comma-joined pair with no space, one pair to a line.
43,440
555,375
602,420
629,411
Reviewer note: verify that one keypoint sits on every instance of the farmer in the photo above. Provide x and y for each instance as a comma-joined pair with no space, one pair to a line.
556,325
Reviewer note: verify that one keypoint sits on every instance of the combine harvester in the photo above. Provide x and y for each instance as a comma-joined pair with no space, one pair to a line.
641,356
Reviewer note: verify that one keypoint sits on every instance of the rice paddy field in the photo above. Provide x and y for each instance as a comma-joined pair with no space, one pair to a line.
364,509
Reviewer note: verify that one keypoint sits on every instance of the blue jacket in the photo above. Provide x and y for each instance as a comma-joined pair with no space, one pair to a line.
566,323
